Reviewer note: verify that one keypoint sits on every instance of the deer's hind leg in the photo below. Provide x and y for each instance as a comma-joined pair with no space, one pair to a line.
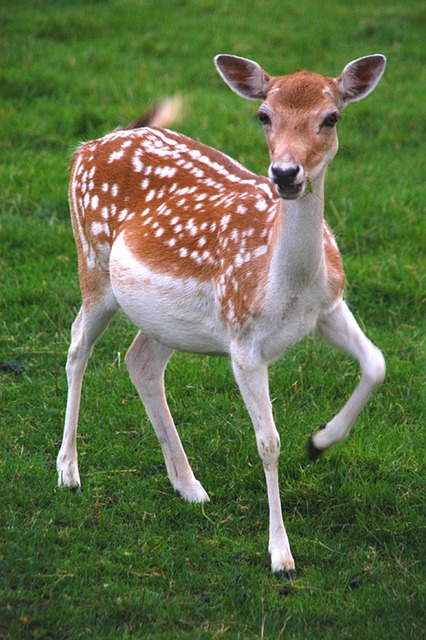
147,360
92,319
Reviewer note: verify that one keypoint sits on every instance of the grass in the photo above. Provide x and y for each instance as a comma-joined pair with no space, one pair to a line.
126,558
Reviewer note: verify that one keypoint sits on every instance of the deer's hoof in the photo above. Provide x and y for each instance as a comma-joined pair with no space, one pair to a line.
289,574
312,450
193,492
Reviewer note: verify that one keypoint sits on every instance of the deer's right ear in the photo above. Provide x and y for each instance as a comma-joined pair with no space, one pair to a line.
243,76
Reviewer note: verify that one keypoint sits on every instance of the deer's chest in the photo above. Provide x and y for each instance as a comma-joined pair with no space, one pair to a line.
289,318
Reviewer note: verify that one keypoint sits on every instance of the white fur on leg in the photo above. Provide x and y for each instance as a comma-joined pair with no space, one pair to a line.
192,491
281,559
67,467
87,327
279,546
253,385
342,330
146,361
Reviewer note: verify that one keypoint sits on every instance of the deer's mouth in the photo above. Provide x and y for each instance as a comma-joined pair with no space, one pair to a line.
291,191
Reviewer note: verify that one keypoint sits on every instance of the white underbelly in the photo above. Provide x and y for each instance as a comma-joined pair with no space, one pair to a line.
177,312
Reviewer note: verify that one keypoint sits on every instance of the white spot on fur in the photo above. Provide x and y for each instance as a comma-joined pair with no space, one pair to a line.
165,172
261,204
116,155
224,222
97,228
137,162
191,227
260,251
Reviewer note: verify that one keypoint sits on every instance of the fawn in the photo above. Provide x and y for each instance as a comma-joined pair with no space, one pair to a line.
204,256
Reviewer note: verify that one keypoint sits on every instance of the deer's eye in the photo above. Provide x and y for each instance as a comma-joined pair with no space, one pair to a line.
331,120
264,118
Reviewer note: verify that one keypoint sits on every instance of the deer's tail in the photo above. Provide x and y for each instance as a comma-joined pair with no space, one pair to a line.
162,114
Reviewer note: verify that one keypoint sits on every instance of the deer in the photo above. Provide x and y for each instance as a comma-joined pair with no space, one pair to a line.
204,256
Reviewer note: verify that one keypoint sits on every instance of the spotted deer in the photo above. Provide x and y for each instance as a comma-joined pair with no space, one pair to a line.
204,256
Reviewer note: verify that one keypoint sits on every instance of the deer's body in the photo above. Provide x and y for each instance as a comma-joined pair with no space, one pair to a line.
222,249
204,256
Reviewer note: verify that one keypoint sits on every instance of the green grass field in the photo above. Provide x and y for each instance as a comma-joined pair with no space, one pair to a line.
126,558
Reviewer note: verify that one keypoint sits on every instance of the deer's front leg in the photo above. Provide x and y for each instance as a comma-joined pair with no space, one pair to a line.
253,384
342,330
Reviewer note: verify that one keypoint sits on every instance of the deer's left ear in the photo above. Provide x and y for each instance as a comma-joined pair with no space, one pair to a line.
245,77
360,77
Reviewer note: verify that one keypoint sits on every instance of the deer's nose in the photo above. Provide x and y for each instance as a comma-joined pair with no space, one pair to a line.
284,175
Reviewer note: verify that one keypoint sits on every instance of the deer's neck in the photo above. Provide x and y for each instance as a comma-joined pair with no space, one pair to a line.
299,258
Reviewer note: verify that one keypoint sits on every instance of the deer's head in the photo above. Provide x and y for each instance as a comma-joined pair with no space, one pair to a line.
299,113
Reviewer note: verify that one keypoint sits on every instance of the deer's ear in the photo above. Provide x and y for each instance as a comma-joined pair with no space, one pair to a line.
243,76
360,77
